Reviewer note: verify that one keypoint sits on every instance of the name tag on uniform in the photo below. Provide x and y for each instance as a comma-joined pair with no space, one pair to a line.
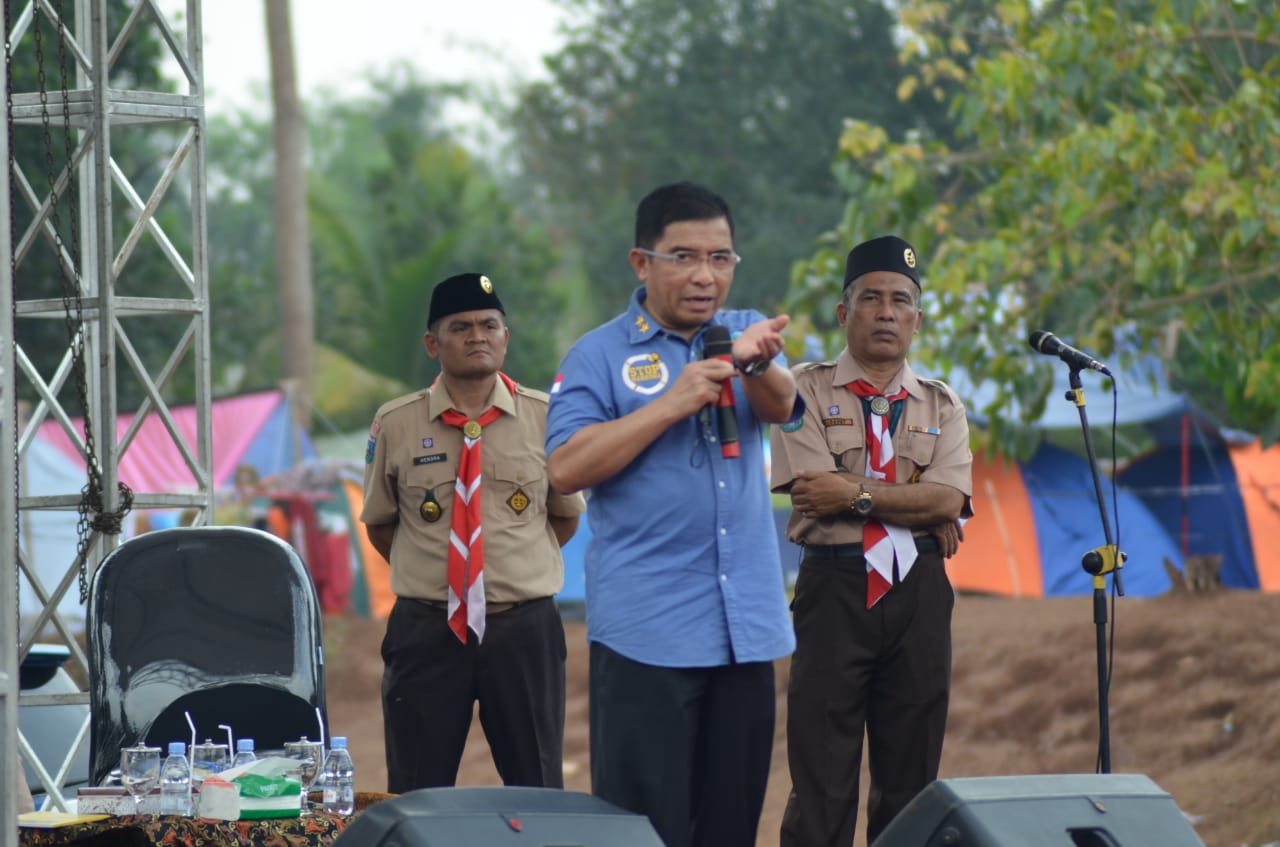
429,460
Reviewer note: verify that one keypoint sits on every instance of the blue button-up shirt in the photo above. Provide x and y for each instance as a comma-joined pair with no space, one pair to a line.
683,567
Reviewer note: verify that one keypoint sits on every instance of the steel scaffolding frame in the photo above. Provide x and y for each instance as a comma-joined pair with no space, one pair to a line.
94,109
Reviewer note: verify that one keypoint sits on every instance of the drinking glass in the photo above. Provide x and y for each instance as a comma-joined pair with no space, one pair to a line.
310,755
139,771
208,759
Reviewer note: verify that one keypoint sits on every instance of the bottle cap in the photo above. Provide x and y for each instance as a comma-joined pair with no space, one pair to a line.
243,744
338,742
177,748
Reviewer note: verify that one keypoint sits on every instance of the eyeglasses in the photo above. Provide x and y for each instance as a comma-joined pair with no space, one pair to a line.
720,260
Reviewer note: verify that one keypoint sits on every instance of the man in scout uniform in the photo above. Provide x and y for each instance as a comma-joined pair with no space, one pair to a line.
456,498
879,473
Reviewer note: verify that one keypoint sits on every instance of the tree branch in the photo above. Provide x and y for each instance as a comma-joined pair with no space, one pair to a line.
1235,36
1223,77
1209,290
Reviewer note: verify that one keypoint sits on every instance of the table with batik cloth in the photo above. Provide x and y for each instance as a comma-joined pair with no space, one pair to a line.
315,830
318,830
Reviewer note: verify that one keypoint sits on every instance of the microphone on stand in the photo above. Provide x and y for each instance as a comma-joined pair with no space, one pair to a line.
1052,345
717,344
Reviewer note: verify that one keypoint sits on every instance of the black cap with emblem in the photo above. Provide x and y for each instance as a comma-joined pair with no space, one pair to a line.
886,253
462,293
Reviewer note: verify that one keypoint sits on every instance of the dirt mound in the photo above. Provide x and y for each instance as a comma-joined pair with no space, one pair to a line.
1193,703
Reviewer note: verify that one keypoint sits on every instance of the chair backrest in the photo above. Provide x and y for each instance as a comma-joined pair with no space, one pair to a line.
219,622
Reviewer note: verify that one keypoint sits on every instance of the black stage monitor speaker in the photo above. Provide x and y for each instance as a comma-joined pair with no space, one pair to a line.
480,817
1067,810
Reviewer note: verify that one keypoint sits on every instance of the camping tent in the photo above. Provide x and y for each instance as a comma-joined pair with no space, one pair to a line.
1197,495
1191,494
1035,520
1258,477
249,429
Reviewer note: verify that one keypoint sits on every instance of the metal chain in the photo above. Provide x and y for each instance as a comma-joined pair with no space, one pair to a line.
94,517
13,283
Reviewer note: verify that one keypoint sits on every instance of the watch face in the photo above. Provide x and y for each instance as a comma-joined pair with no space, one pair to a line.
862,504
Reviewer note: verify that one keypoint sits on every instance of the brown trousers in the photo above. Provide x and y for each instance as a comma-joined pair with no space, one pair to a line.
885,670
431,683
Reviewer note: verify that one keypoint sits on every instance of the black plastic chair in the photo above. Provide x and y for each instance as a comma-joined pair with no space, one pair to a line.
218,622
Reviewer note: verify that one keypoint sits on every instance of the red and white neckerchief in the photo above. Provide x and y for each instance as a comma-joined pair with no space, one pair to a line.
466,544
882,544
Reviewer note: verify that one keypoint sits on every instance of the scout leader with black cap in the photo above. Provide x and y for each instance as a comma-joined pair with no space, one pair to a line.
879,474
456,498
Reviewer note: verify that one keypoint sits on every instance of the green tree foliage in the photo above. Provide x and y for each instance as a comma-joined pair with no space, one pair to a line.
1113,177
746,96
395,206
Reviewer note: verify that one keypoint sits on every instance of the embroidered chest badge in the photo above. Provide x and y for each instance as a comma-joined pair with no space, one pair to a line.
519,501
645,373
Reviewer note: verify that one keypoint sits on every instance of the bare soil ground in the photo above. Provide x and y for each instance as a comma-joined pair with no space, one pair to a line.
1194,703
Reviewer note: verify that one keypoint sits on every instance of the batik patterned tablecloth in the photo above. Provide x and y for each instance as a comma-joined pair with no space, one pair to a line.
316,830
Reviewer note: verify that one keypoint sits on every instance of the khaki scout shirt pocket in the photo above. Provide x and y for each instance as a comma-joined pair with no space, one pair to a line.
518,486
846,443
916,448
418,480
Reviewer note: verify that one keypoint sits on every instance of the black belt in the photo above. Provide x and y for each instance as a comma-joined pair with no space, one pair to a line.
924,544
489,608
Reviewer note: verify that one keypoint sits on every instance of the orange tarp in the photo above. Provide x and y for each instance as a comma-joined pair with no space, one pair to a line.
1258,474
999,554
374,568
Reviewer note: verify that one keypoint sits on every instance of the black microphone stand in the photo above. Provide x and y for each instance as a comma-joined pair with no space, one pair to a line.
1099,562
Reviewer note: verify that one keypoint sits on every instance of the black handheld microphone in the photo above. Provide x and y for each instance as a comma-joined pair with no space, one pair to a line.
717,344
1052,345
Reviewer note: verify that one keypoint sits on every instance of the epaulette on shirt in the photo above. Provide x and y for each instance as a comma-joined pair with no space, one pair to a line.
404,400
534,394
940,386
805,367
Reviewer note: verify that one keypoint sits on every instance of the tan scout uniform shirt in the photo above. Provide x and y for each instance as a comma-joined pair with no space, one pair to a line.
930,444
413,452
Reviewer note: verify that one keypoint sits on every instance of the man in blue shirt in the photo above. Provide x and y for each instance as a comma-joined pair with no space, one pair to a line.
685,605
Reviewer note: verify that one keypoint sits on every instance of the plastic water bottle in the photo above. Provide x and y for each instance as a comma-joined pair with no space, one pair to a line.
175,782
339,778
244,752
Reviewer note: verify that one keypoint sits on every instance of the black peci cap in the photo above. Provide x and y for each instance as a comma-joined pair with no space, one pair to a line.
886,253
462,293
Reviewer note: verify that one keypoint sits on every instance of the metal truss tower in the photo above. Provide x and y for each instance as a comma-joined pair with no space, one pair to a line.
136,262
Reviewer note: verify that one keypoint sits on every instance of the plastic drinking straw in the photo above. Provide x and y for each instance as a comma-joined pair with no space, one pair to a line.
231,742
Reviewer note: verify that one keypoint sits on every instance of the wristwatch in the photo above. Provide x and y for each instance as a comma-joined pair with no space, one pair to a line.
755,368
862,504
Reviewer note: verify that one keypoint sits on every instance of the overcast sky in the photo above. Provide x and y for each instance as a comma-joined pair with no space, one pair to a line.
339,41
